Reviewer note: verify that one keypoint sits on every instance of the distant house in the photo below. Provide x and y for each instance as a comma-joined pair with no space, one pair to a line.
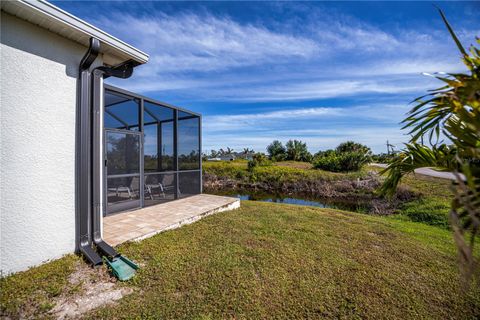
226,157
74,150
247,156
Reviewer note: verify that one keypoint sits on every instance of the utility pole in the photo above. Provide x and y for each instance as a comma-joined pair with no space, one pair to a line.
389,147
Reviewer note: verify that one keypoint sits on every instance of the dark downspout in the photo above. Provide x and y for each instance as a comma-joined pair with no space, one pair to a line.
83,157
89,159
123,71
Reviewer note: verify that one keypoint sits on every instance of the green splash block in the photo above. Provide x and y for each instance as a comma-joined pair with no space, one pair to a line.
122,268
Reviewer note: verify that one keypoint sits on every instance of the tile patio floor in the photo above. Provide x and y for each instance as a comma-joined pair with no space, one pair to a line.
146,222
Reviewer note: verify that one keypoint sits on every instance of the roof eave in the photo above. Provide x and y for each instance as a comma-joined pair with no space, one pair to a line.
112,44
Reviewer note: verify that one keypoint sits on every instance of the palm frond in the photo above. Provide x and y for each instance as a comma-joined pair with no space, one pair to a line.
453,111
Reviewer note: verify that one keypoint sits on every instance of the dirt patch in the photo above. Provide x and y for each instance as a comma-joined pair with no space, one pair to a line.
89,289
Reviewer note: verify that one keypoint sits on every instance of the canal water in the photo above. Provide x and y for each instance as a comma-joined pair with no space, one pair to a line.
355,206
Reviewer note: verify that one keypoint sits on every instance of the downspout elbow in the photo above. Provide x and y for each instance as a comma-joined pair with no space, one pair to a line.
90,55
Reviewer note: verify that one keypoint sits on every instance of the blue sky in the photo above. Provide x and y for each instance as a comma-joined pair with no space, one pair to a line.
321,72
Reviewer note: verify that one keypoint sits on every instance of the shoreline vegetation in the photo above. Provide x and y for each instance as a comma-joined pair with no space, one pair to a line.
419,198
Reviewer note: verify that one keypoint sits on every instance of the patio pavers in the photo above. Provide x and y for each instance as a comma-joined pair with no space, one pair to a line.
146,222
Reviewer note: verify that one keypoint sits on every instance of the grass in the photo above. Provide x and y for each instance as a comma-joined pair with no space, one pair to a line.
32,292
433,203
295,164
279,261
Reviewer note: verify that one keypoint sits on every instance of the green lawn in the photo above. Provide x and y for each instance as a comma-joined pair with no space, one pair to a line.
433,203
276,261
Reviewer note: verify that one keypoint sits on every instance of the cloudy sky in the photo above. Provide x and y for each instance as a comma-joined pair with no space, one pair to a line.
321,72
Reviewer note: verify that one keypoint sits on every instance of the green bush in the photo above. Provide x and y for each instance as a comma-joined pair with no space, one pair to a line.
351,146
320,154
341,161
348,156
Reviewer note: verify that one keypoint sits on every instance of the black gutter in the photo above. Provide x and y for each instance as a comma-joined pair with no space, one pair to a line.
83,155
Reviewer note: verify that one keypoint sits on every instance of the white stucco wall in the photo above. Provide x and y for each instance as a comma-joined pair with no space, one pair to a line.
37,133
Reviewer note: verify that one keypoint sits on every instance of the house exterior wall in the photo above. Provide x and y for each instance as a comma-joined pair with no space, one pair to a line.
37,134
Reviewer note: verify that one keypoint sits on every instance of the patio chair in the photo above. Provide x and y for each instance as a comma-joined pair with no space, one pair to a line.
134,182
165,185
168,182
151,186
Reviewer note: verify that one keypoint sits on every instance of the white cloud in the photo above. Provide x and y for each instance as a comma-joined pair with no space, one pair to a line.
214,57
254,121
342,36
322,90
190,42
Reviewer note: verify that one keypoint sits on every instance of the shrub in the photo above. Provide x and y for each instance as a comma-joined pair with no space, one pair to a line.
348,156
325,153
341,161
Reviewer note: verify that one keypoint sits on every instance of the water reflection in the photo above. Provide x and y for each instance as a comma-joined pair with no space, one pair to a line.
356,206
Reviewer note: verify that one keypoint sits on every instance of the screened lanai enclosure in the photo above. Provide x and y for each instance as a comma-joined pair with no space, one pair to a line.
151,152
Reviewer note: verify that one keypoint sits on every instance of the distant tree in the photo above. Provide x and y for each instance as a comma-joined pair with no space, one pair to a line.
214,153
229,151
276,151
297,151
247,151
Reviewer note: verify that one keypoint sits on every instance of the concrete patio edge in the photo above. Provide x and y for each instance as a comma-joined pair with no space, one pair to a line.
143,223
231,206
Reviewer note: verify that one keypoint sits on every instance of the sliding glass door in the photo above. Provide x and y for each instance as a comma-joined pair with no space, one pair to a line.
122,158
